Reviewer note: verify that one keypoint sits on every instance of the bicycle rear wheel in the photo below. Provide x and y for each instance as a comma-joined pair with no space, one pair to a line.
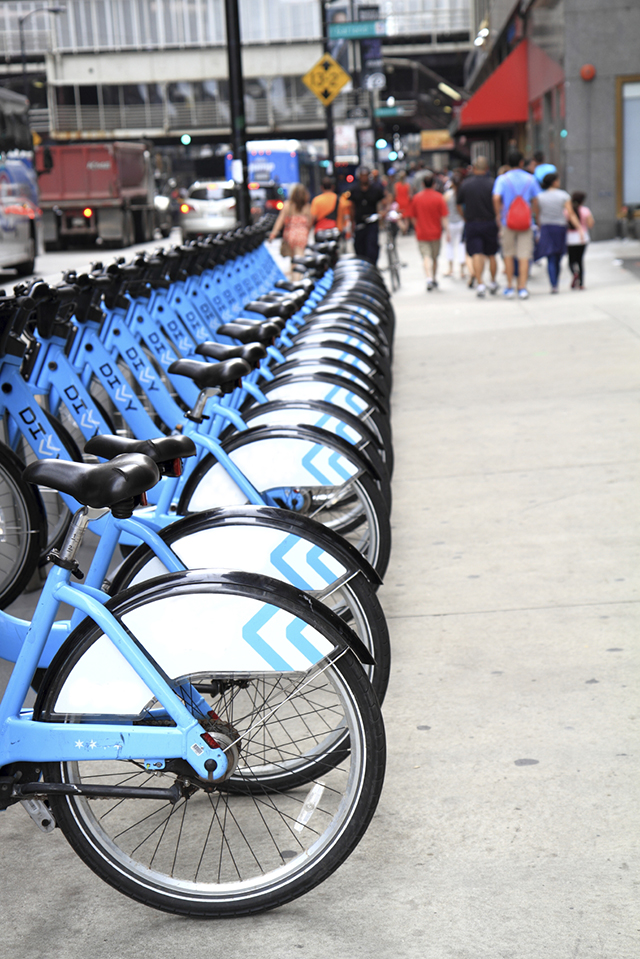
292,812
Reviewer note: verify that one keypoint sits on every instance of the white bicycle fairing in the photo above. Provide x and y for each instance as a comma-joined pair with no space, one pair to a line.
254,549
191,633
293,416
272,463
317,390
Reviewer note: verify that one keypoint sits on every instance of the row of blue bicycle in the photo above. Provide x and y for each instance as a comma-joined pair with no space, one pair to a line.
206,729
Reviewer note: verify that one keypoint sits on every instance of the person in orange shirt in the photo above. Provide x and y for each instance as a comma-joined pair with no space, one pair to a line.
324,207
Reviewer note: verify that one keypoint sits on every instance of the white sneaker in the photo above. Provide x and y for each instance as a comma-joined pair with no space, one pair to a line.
481,290
523,294
493,288
509,293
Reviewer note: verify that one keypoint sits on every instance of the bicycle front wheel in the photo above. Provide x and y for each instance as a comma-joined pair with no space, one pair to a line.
261,840
23,527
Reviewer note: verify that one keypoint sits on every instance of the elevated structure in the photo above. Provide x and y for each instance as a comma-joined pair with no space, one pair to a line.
136,68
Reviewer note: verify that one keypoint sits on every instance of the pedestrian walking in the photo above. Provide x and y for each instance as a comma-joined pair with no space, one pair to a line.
294,220
552,209
454,247
541,167
577,242
513,193
324,207
430,215
366,202
475,203
401,195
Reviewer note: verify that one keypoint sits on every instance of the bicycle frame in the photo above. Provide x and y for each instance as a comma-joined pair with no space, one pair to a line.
22,740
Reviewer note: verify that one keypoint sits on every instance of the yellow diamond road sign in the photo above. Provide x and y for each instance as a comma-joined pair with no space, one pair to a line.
326,79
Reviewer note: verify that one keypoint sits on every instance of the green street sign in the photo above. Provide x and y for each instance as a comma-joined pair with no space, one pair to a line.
358,30
389,112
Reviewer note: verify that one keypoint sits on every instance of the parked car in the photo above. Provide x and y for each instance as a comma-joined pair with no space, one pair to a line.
209,207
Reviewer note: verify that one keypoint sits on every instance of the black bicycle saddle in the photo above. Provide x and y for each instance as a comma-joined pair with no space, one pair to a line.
98,486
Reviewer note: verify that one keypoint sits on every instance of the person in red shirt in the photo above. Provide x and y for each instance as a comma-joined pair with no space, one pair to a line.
430,215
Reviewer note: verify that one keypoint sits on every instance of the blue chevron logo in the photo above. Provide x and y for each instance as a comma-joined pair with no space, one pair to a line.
251,636
337,462
355,403
330,395
301,643
323,420
279,562
307,462
316,564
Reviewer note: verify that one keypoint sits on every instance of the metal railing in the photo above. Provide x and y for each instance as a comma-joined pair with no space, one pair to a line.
271,113
121,25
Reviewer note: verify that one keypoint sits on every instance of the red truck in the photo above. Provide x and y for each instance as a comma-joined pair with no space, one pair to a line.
102,191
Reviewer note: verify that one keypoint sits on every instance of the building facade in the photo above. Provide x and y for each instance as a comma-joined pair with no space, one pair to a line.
158,68
561,77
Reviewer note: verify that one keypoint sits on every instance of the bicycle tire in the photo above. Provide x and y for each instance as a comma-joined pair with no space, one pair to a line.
57,513
228,852
23,527
394,265
274,457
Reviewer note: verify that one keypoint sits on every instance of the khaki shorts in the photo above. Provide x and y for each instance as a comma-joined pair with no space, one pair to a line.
518,243
429,248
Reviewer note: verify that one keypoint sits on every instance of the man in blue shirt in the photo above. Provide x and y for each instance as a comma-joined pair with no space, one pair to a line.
516,244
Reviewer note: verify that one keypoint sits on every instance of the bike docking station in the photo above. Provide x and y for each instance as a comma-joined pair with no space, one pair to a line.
206,730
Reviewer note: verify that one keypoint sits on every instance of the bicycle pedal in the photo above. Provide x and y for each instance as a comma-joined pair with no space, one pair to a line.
40,813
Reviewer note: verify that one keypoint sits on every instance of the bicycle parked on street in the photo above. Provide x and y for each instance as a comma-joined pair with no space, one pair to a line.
209,740
187,754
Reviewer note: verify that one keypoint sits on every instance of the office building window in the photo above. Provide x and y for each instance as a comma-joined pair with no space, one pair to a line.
630,121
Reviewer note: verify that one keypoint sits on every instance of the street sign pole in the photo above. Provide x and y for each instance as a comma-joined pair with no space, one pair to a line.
329,108
236,103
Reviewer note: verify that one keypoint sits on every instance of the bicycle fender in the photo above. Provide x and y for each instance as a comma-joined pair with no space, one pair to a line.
259,539
199,621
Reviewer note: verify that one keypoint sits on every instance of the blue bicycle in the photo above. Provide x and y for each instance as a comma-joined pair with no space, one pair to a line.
185,734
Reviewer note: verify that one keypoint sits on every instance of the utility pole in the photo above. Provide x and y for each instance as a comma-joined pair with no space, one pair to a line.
236,105
328,109
23,51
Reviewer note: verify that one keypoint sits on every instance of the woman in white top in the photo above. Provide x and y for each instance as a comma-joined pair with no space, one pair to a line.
552,210
454,246
577,242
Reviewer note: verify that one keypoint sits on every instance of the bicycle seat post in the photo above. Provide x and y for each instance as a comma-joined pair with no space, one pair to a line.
66,556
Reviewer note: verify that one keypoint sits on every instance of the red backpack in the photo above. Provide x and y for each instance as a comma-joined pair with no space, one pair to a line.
519,215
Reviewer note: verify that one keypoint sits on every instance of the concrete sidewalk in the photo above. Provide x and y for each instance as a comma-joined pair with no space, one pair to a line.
507,824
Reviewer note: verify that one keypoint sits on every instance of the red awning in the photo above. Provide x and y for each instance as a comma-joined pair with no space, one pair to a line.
503,99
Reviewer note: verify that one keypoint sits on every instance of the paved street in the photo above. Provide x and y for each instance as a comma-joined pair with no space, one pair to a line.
507,824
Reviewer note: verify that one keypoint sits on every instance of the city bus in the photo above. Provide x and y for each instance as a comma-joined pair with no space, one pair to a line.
20,214
274,167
